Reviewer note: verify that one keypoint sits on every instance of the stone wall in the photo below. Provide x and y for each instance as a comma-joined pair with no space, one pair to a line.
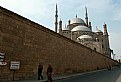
30,43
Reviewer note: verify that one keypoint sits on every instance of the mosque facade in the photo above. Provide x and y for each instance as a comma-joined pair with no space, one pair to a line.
80,31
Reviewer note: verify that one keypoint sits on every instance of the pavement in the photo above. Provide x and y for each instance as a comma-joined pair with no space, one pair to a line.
61,77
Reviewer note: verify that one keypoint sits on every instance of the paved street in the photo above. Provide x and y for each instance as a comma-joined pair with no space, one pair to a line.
102,76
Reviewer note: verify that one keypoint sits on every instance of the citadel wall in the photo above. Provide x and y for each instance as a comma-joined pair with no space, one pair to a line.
30,43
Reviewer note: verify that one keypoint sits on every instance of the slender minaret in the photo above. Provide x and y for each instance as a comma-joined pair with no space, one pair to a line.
86,18
106,45
56,19
105,29
60,26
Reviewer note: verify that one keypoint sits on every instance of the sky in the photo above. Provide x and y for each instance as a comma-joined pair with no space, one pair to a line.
99,11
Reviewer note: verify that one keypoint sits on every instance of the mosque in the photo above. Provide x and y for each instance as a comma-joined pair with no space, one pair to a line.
71,49
80,31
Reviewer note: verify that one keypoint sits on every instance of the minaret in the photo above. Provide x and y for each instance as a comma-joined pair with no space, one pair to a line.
56,19
60,26
86,18
106,46
105,29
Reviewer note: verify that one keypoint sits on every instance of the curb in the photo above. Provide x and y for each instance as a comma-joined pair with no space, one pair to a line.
64,77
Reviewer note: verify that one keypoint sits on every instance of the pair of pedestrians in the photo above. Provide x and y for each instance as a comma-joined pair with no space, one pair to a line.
49,72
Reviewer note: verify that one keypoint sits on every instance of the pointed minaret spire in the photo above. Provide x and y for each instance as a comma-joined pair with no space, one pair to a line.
105,29
56,18
96,29
86,16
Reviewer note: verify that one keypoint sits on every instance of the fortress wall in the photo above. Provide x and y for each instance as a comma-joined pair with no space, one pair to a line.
30,43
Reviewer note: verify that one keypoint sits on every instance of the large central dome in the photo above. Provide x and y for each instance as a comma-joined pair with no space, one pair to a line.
81,28
77,21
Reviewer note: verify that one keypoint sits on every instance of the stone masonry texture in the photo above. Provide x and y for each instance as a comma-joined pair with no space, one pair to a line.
30,43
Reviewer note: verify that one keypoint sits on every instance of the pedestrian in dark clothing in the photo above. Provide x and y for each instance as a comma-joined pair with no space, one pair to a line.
40,68
49,73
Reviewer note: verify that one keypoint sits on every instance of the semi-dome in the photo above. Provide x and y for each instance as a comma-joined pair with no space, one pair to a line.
97,30
85,36
77,21
81,28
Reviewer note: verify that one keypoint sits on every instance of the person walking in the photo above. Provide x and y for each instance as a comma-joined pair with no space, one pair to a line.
49,73
40,68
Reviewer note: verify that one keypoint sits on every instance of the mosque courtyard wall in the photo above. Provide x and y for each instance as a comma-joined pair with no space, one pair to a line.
29,43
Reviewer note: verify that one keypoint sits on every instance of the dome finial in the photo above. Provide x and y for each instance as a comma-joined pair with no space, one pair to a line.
76,15
96,28
104,23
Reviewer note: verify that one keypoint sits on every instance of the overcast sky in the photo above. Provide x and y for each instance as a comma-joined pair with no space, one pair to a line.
99,11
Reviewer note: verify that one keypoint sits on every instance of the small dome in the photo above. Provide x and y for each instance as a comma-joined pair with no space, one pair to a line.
77,20
97,30
84,36
81,28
